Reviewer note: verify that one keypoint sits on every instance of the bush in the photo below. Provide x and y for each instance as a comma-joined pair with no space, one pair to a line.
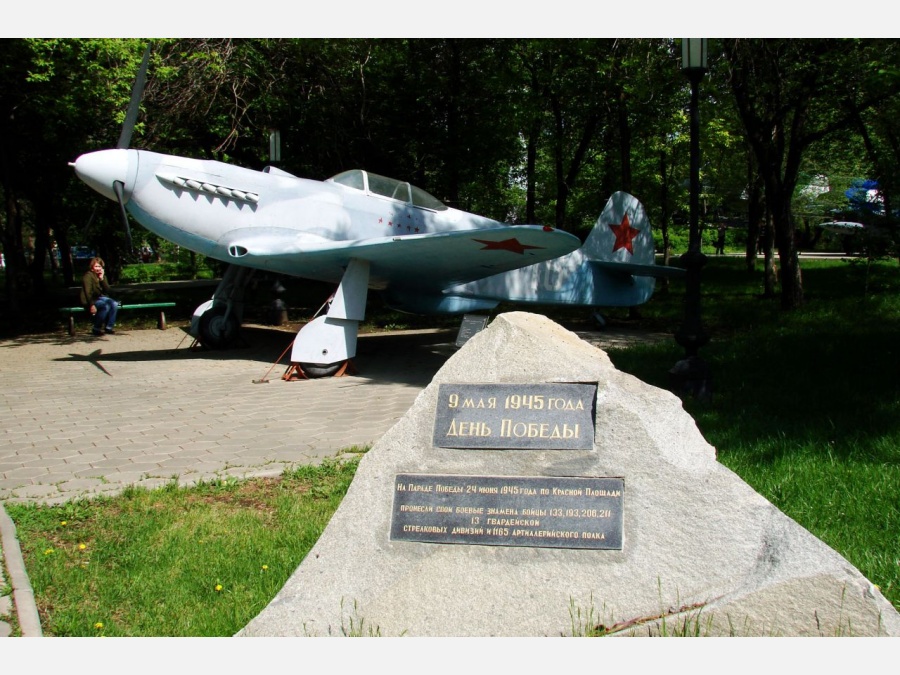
140,273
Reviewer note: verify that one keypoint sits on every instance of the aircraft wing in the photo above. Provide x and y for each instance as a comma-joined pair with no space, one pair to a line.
420,260
842,227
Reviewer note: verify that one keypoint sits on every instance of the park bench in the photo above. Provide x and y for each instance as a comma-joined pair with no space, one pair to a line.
70,312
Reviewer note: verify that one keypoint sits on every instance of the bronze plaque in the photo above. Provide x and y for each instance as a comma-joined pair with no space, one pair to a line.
550,512
553,416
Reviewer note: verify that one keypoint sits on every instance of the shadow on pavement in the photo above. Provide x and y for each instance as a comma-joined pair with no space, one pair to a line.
407,357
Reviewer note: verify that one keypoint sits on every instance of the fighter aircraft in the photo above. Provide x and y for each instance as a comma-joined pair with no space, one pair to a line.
364,231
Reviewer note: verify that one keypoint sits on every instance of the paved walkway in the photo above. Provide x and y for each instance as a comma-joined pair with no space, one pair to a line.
84,416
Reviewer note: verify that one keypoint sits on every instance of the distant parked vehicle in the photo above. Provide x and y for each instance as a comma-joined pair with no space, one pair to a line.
82,253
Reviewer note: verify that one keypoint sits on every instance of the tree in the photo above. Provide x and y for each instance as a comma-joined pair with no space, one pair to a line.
791,94
56,97
660,143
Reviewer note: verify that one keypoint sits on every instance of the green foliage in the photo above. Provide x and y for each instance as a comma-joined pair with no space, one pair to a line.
140,273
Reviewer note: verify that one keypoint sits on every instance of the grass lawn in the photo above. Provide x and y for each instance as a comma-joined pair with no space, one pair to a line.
806,409
197,561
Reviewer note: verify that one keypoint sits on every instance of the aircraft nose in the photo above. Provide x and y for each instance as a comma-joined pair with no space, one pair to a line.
103,168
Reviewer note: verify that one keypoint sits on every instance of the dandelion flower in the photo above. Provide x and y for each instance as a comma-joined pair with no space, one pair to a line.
98,625
218,587
265,567
64,522
49,551
81,547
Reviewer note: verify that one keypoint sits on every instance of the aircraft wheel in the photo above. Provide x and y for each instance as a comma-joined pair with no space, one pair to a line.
217,332
314,370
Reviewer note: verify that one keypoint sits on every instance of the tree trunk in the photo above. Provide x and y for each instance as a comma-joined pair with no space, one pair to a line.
452,160
43,221
755,214
624,143
530,172
65,256
791,280
13,253
768,239
664,213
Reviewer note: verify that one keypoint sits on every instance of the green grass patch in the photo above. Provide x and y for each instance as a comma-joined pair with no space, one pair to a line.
177,561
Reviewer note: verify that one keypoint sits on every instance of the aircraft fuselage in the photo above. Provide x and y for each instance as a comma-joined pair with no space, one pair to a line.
254,218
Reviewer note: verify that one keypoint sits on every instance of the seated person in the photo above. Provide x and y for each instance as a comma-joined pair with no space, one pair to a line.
96,300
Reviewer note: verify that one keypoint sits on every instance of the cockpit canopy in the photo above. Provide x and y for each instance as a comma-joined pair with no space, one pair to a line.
388,187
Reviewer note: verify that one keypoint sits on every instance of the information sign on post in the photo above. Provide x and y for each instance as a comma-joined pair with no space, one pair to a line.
471,324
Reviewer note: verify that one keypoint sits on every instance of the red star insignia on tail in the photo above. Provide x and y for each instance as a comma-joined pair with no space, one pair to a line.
624,234
513,245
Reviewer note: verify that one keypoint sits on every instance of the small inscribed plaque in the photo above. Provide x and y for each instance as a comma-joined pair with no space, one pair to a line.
548,512
556,416
471,324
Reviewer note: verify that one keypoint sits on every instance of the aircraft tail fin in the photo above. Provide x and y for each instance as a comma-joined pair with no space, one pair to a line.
622,241
622,233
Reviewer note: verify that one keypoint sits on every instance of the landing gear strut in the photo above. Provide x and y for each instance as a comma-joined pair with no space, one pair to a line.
216,323
327,343
322,348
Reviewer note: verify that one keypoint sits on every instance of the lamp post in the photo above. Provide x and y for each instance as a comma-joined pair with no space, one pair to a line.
692,374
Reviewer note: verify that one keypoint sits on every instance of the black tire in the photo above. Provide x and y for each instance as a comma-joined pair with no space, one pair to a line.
313,370
217,332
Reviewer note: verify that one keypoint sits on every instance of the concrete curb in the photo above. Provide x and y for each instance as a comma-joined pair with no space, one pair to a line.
23,595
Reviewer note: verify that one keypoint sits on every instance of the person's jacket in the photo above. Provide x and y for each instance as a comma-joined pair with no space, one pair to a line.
92,287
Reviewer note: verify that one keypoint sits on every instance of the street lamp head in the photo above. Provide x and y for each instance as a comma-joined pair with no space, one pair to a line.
693,55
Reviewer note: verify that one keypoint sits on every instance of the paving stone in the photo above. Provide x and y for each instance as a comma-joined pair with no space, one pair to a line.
79,484
35,492
26,473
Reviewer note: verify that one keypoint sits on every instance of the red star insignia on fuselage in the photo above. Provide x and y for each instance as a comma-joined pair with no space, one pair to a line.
513,245
624,234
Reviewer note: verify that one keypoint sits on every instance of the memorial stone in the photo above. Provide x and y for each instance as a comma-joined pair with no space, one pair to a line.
696,548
